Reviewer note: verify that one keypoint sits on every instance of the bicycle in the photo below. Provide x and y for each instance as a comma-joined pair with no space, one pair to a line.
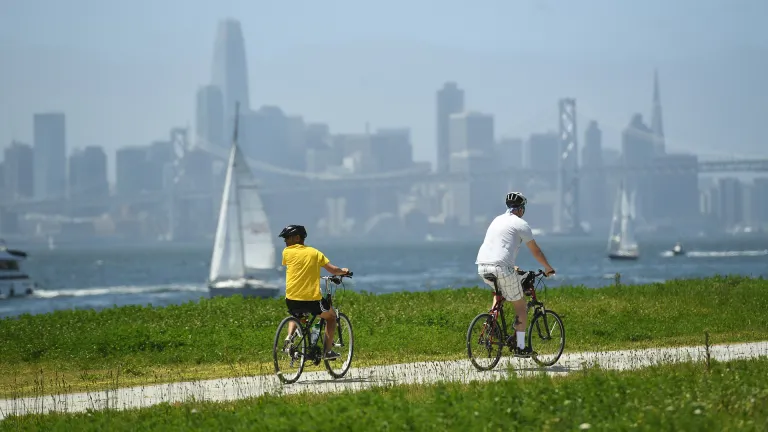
494,336
304,344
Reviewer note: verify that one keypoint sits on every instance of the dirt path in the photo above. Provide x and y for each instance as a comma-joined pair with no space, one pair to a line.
361,378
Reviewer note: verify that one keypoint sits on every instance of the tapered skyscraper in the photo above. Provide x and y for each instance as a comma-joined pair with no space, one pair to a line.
657,123
230,70
209,111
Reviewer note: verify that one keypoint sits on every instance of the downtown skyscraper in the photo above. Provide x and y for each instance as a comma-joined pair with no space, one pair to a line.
657,123
229,71
50,155
209,116
450,100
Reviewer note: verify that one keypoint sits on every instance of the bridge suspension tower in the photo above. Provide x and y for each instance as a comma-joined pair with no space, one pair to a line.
567,220
176,176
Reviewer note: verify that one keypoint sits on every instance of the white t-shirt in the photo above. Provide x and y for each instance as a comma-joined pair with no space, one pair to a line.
503,239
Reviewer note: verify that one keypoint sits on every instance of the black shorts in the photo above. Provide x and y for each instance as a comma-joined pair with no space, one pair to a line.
315,307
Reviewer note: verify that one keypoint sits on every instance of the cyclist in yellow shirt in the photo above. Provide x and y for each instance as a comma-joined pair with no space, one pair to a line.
302,282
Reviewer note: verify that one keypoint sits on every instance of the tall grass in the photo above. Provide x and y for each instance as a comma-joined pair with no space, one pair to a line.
87,350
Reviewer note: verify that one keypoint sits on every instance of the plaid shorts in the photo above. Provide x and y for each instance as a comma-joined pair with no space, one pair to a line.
507,279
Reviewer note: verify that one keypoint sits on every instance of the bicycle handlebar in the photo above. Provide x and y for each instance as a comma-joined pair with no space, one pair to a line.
535,274
337,278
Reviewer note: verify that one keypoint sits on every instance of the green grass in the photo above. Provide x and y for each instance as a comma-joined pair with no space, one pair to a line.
69,351
728,396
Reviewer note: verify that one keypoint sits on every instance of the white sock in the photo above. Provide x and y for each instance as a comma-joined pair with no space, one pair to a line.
520,339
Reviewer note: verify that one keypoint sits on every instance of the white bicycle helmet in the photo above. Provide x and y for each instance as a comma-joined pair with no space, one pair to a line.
516,199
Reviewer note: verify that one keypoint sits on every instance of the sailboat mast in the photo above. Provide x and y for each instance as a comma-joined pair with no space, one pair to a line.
237,192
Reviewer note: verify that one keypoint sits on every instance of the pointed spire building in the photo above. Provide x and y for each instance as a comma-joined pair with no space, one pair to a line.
657,123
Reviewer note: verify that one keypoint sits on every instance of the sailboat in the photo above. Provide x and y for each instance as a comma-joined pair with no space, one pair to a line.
243,250
621,243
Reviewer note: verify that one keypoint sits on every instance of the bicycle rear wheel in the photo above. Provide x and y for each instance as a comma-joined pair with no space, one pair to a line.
288,353
484,342
344,342
546,337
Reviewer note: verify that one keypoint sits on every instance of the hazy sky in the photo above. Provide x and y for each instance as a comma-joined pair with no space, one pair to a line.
125,72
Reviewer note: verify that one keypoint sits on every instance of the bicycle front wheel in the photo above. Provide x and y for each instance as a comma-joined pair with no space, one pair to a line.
288,351
546,337
484,343
344,344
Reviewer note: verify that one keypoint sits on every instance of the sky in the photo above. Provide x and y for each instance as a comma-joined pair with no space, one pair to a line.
126,72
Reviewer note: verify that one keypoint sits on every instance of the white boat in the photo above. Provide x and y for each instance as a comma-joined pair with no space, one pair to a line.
621,242
677,249
13,281
243,258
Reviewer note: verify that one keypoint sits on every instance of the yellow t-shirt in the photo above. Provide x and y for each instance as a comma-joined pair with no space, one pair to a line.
302,274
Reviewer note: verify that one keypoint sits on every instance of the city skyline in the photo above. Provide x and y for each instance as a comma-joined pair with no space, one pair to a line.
165,188
202,108
610,94
229,82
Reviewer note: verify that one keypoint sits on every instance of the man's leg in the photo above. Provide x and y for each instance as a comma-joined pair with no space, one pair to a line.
291,324
291,329
513,292
521,317
289,337
330,327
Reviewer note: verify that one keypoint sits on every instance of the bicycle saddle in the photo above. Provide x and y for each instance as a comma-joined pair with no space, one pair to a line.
490,277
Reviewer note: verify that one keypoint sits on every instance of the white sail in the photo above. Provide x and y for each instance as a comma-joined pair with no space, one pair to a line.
243,241
622,240
614,238
258,243
633,205
628,233
227,261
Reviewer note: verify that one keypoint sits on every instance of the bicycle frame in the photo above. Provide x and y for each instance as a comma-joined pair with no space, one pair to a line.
314,351
498,308
534,302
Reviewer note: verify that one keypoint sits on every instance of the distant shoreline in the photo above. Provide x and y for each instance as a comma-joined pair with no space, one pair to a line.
41,243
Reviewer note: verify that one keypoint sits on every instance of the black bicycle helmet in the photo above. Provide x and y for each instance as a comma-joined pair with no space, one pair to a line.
516,199
292,230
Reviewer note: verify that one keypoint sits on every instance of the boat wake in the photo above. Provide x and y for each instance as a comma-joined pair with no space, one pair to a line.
634,280
720,254
119,290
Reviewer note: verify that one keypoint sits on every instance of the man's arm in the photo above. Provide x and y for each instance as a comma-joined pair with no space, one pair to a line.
539,255
332,269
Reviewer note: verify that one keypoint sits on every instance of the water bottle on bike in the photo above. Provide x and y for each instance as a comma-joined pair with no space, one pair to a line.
314,333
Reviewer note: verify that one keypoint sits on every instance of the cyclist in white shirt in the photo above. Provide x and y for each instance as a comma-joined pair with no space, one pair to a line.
497,255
